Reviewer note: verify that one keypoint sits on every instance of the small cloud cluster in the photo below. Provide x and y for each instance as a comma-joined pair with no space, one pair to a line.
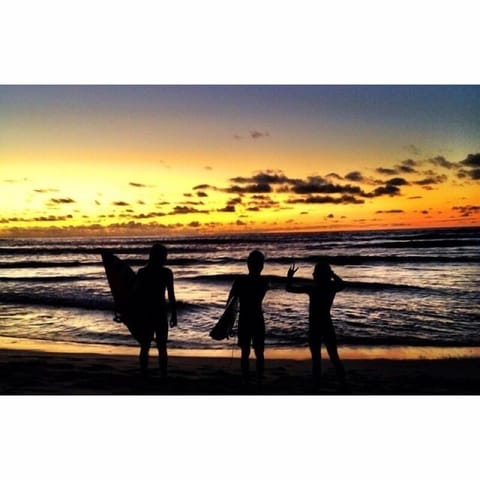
467,210
470,167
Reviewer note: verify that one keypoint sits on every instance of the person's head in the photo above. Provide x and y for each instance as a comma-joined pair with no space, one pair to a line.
158,254
255,262
322,272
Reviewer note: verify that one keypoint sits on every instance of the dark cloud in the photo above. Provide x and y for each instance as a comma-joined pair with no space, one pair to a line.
354,176
187,195
52,218
59,201
138,185
269,176
397,181
416,197
317,199
334,175
121,204
433,180
255,188
202,194
202,186
183,209
386,171
389,211
467,210
318,184
144,216
391,190
440,161
472,160
227,209
194,224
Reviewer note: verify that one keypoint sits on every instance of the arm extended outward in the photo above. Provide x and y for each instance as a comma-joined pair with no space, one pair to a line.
291,288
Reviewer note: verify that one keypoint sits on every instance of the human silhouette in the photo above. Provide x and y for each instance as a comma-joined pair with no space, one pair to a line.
250,290
153,281
321,293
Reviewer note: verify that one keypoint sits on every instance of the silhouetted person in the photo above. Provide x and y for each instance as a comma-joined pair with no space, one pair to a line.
153,281
321,293
250,290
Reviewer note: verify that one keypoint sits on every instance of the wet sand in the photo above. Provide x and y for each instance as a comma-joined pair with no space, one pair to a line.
50,368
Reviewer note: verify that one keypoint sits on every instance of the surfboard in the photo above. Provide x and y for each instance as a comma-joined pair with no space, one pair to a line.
121,279
223,328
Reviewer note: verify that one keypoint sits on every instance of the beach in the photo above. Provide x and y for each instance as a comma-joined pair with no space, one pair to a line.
55,368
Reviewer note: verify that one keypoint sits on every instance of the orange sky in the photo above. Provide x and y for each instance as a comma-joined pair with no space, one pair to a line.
180,160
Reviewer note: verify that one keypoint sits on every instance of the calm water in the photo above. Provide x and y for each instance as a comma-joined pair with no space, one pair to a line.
415,287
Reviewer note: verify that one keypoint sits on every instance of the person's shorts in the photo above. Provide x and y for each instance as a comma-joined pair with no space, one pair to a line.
156,328
251,331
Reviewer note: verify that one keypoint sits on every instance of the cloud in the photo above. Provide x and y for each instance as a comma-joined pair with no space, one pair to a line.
202,186
434,180
397,181
183,210
316,184
256,188
121,204
334,175
472,160
412,149
202,194
59,201
354,176
386,171
46,190
440,161
256,134
227,209
138,185
389,211
194,224
52,218
317,199
467,210
391,190
268,176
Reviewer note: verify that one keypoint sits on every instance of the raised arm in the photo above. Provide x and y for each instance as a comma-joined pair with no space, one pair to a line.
291,288
337,281
171,299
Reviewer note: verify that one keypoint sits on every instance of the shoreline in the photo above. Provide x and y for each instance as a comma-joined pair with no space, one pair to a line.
54,368
357,352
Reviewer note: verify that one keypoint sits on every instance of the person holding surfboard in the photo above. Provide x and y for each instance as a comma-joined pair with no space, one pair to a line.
322,292
250,290
153,281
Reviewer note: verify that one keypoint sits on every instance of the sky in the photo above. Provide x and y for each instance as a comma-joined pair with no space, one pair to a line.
205,159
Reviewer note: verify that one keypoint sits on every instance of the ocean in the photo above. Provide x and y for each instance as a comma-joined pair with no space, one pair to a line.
404,287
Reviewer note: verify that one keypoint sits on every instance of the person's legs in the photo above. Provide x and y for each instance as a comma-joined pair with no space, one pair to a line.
260,362
245,361
316,353
144,349
161,336
162,359
331,344
259,348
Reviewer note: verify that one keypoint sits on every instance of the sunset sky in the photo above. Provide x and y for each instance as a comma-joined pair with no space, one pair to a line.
174,160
